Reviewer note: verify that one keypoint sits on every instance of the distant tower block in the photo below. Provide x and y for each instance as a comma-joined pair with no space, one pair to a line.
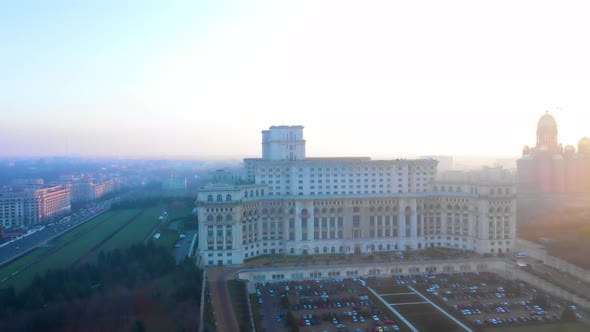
283,143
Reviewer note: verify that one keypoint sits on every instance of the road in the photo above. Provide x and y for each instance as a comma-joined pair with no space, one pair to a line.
225,318
182,251
20,246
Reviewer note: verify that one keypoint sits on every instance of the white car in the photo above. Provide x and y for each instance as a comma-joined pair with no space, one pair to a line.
375,318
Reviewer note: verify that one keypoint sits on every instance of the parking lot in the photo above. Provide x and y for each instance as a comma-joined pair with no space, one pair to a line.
323,305
442,302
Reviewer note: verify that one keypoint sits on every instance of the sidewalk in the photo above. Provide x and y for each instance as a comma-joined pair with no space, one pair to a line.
225,319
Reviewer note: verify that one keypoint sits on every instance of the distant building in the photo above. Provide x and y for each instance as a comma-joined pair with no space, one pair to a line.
87,191
174,183
23,208
549,168
445,163
290,204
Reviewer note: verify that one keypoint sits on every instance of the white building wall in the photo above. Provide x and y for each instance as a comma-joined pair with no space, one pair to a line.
314,204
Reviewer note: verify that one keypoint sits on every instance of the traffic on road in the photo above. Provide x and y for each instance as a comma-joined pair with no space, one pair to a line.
40,234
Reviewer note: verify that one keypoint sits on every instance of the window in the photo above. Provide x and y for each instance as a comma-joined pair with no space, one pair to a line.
219,198
356,221
228,198
210,198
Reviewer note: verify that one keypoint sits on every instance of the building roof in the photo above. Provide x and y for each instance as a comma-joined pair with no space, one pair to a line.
547,120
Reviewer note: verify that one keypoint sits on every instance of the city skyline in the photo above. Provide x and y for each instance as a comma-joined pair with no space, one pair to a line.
198,79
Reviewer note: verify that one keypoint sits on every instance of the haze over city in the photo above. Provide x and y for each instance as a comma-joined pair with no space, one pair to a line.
202,79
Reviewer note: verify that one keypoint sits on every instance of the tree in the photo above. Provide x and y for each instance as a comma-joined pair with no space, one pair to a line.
568,315
138,326
541,300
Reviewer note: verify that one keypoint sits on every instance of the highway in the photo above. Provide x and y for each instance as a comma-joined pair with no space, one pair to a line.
25,244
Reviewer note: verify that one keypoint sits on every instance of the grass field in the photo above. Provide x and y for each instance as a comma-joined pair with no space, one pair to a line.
135,232
27,259
85,239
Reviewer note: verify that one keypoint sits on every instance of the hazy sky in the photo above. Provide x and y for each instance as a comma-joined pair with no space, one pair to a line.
365,78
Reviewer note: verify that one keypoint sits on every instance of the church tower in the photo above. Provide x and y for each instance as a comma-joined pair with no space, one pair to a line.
547,134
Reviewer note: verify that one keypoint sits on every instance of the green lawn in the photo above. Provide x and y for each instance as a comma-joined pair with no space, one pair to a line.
167,238
135,232
27,259
68,253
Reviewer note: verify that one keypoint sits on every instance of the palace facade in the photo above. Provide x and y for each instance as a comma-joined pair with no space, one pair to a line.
291,204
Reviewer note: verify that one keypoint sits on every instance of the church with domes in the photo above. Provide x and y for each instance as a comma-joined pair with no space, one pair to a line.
549,168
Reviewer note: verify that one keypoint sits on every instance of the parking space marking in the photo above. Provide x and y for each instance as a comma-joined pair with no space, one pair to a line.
394,311
441,310
397,294
406,303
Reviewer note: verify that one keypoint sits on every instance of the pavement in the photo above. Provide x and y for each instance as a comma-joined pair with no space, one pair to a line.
180,253
225,319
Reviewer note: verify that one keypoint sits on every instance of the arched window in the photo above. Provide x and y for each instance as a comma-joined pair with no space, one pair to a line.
332,210
491,191
316,250
325,249
443,189
435,188
304,212
210,198
219,198
333,249
210,217
292,250
228,198
261,192
228,217
500,191
291,211
257,192
219,218
246,193
458,189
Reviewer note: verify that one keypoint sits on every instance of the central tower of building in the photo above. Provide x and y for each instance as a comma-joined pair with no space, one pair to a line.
280,143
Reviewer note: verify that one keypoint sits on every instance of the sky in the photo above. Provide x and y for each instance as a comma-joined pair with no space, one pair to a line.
202,79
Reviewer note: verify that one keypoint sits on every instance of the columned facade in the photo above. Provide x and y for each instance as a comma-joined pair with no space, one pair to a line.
351,205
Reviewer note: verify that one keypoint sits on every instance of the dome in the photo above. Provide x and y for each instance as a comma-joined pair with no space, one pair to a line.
570,149
526,150
547,120
584,141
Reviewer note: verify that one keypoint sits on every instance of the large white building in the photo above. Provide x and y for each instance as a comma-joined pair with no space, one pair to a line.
23,208
298,205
